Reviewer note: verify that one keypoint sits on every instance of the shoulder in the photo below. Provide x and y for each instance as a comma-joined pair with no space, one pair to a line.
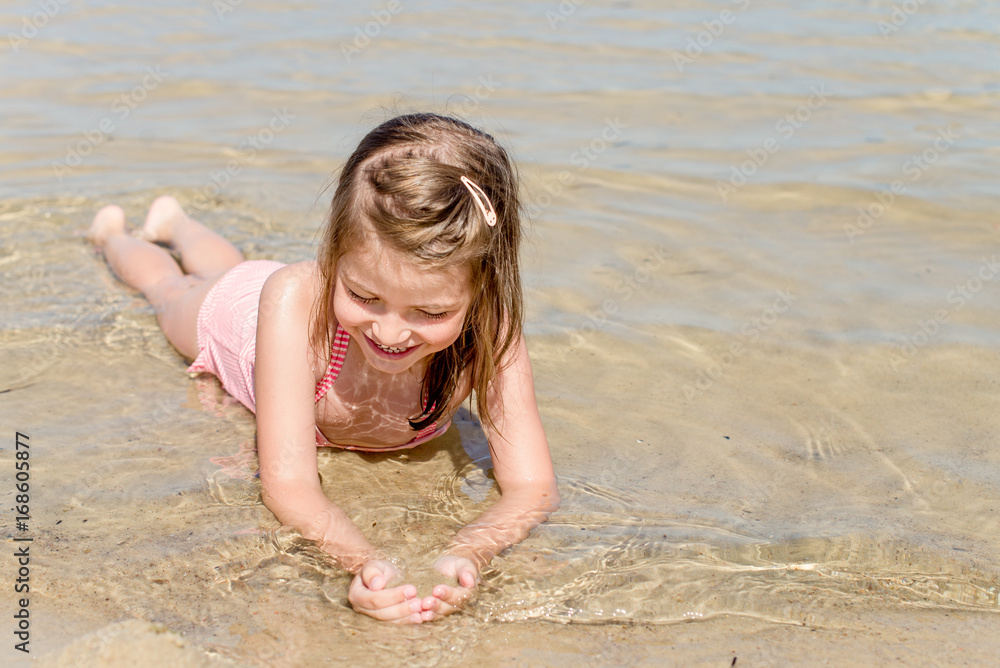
287,305
290,288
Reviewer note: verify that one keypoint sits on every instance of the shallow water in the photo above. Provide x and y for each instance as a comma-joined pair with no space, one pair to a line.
768,375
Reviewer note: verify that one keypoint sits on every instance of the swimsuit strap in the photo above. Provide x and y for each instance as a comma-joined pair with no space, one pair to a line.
337,353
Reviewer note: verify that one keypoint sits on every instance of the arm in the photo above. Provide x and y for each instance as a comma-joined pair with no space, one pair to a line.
522,466
286,447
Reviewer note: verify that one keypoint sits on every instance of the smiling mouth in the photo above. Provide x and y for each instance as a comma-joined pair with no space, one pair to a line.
390,352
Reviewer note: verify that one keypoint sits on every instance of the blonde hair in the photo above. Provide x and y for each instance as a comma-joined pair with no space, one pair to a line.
404,184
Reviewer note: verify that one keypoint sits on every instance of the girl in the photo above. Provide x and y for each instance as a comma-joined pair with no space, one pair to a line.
413,303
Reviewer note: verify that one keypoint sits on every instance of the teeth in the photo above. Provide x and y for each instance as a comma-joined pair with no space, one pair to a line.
389,349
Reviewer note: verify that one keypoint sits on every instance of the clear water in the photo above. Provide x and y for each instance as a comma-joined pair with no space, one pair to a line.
762,405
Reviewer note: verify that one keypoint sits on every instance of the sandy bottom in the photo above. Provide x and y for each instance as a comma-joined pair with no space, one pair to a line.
762,312
871,639
775,522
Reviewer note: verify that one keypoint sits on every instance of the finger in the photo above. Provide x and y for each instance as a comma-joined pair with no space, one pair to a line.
388,605
377,574
373,576
446,593
439,608
382,598
452,596
468,577
406,612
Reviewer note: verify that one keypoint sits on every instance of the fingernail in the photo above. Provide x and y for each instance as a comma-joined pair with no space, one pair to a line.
415,605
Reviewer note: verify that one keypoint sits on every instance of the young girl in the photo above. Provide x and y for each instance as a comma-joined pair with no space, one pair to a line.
413,303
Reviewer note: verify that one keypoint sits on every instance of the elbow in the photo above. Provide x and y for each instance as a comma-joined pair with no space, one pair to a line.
550,498
536,499
272,499
275,492
269,484
267,497
556,499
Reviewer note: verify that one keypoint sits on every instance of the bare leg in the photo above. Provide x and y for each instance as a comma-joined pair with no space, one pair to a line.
175,297
203,252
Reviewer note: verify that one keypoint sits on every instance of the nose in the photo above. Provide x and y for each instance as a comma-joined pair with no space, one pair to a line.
390,330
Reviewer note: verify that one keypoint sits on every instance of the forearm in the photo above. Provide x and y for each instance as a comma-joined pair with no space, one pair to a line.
320,520
505,523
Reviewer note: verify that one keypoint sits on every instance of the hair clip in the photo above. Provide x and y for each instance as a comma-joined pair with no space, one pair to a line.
480,197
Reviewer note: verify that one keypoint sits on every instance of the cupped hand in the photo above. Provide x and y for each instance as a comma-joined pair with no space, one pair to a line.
447,598
369,596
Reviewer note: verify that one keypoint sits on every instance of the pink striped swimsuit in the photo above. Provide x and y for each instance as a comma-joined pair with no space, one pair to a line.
227,344
338,351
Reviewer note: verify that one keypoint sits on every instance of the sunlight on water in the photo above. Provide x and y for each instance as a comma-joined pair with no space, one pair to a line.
762,311
593,568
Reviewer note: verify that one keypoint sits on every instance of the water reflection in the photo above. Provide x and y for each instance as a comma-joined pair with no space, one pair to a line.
592,567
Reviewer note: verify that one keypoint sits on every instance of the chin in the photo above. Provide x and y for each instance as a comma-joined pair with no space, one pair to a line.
389,366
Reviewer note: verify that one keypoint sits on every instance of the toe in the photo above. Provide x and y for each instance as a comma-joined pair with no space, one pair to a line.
163,213
109,220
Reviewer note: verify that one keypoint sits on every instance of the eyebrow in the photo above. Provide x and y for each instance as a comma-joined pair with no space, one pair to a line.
424,307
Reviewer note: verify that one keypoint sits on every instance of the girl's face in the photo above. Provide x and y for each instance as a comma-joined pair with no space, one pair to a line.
397,311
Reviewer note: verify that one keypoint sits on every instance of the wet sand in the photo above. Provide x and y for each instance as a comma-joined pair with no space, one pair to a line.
762,300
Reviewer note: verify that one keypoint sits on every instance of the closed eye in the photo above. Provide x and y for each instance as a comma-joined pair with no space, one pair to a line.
358,298
371,300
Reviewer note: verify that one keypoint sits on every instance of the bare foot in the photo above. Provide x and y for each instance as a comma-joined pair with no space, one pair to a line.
164,213
108,221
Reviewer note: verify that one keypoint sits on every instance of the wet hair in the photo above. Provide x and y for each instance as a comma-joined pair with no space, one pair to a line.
403,184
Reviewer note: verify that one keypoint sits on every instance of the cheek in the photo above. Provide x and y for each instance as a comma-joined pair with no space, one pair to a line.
440,337
445,334
346,312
